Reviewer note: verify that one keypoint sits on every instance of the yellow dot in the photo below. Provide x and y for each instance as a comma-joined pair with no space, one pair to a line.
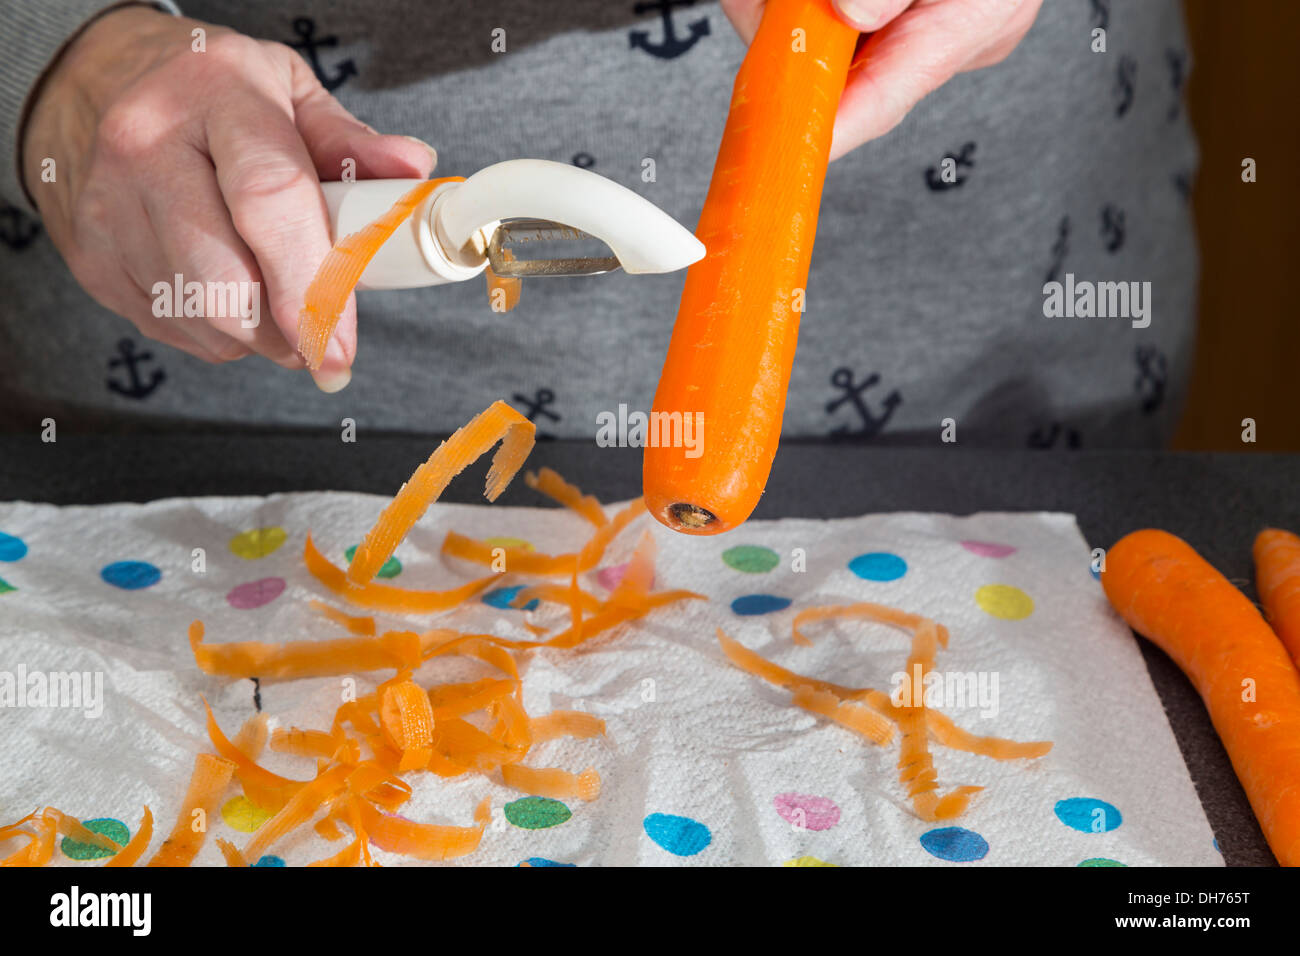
508,543
243,815
1004,601
807,861
257,542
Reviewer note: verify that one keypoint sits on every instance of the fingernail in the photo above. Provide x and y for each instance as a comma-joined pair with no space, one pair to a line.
433,153
331,382
863,14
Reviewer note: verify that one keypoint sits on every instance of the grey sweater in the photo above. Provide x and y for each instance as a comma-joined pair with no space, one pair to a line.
926,300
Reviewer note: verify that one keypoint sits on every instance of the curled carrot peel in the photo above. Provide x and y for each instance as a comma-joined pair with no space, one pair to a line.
406,716
341,270
552,782
549,483
423,841
498,423
136,846
733,345
364,626
1277,579
1172,596
210,778
297,659
386,597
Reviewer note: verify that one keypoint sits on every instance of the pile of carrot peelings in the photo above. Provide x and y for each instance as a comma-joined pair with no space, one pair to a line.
377,743
875,715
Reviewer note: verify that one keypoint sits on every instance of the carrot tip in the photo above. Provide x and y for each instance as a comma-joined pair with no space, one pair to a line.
691,516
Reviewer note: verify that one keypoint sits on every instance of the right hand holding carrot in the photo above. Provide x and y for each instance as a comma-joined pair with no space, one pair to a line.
169,159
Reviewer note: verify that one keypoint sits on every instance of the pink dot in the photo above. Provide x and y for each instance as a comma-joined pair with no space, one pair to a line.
988,549
609,578
255,593
807,811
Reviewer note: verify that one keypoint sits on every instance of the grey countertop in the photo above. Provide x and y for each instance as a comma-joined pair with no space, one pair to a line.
1216,502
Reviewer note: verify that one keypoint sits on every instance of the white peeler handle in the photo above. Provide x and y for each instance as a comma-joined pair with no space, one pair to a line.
446,238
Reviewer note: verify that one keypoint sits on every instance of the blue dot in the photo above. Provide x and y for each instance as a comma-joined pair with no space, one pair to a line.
269,860
1088,814
878,566
502,597
1094,572
681,836
752,604
130,575
11,548
542,861
1216,845
955,844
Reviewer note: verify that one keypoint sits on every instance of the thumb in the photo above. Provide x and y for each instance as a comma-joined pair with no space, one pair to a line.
334,136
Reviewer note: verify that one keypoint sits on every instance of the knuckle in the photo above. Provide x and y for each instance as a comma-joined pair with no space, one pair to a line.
127,130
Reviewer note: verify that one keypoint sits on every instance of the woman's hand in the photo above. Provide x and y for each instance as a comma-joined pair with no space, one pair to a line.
914,48
170,160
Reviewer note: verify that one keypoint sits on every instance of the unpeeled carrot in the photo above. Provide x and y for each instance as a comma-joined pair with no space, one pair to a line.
498,423
733,344
341,270
1277,579
1175,598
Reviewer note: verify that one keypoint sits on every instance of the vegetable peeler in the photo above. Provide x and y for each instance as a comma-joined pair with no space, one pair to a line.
488,220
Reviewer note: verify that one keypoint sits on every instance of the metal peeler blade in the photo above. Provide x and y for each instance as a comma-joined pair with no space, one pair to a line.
512,233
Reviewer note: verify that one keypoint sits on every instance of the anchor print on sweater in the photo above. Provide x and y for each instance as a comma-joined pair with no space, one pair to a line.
135,386
1151,378
869,424
308,44
934,177
1112,227
1125,84
672,46
17,229
536,407
1047,436
1176,60
1101,13
1060,249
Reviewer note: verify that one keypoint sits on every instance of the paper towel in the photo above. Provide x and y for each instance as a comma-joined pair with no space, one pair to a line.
702,764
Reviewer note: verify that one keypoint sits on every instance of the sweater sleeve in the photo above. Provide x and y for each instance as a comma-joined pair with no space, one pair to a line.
31,36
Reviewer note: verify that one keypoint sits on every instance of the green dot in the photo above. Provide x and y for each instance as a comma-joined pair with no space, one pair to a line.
751,558
6,587
1102,861
537,813
115,830
391,569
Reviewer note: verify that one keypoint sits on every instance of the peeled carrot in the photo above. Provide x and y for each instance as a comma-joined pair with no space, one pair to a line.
211,777
136,846
1277,578
733,345
386,597
498,423
1172,596
341,270
297,659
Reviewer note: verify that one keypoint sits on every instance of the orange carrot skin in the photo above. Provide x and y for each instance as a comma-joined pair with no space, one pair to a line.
1277,579
1172,596
733,344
